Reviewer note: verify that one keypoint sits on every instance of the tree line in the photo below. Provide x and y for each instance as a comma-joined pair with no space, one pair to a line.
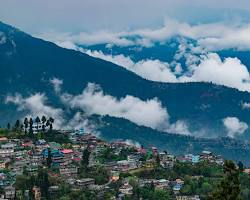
27,125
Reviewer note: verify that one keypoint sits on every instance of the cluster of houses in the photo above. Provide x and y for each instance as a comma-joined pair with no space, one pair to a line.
206,156
19,156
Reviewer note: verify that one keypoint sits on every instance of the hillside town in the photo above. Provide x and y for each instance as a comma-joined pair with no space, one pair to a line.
48,164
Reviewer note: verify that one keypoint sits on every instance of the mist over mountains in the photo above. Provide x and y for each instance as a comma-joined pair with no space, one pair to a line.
40,78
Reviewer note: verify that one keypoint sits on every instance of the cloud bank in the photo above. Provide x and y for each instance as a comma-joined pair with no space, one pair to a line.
229,72
201,64
93,100
211,36
234,126
148,113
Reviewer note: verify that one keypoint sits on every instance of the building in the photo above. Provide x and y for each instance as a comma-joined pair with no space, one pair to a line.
9,192
3,165
37,193
37,127
196,197
85,183
178,185
7,150
126,189
68,171
162,184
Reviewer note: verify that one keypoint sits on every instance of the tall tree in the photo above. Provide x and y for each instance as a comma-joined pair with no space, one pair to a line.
229,187
37,120
158,160
85,158
31,127
43,121
26,124
17,125
51,123
43,181
49,158
8,126
240,166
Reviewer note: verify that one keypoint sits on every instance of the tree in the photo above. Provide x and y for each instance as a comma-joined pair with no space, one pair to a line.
43,181
31,127
85,158
229,187
8,126
51,120
47,123
43,121
17,125
240,166
158,160
26,124
37,120
49,158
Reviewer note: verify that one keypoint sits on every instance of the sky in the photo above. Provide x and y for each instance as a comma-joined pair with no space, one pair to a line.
36,16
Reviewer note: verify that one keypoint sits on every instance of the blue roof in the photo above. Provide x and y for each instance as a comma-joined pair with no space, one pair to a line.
54,153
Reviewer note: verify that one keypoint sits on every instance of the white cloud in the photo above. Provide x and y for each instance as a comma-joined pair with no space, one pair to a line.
133,143
79,121
56,84
212,36
234,126
84,38
94,101
229,72
2,38
154,70
36,106
148,113
245,105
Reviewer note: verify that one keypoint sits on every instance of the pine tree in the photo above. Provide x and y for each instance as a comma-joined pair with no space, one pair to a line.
85,158
43,121
17,125
26,124
51,124
37,120
31,127
240,166
8,126
43,181
158,160
49,158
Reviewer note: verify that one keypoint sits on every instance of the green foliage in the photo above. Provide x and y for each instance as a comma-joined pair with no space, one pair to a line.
150,193
49,158
108,154
229,187
99,173
85,158
43,181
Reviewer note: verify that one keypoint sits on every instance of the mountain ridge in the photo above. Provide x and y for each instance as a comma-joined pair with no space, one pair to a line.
34,62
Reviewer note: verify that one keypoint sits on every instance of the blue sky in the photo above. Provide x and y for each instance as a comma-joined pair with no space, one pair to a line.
91,15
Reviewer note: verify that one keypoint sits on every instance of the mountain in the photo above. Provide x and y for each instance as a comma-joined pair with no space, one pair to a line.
115,129
27,64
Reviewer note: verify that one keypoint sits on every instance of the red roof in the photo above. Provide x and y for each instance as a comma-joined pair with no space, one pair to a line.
66,151
27,144
3,138
77,159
